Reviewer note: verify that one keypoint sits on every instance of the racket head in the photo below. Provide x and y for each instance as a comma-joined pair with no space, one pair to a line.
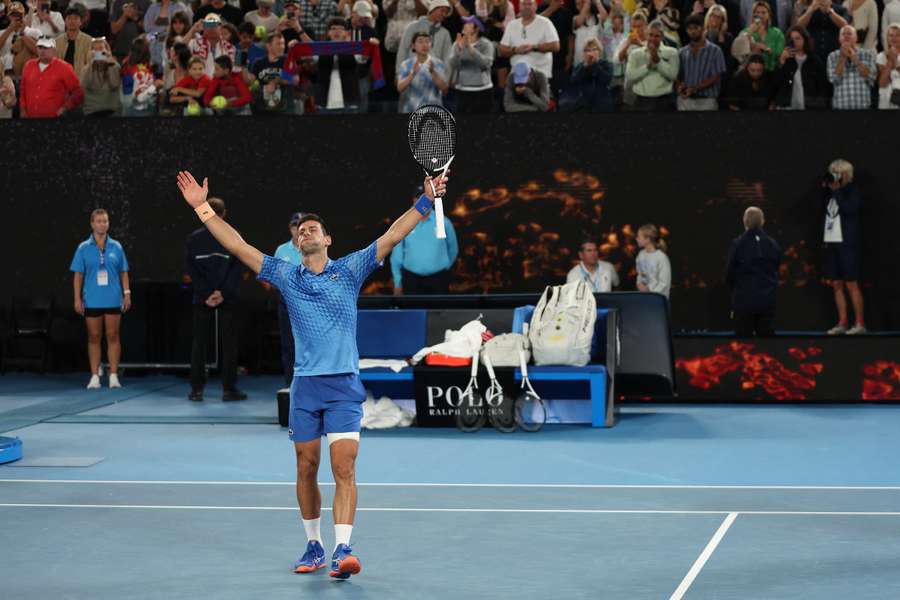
501,411
471,417
432,137
530,411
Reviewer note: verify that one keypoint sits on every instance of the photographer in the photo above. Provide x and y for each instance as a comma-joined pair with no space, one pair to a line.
841,201
49,22
101,81
752,275
126,22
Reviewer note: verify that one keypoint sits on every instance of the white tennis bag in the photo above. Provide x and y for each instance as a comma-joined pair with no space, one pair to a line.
503,350
562,326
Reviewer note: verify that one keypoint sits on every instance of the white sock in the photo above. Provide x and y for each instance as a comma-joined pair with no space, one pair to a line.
342,534
312,527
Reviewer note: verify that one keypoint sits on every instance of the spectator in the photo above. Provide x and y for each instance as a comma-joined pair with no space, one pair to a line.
102,293
528,90
496,16
851,70
783,16
842,201
23,49
337,80
215,275
74,46
431,25
274,94
654,273
126,23
399,14
289,252
591,81
228,85
210,45
587,24
138,83
716,25
95,15
156,25
667,15
289,26
315,15
889,70
701,66
48,22
188,92
637,38
471,62
761,38
800,83
561,17
751,88
864,17
9,37
225,11
890,15
50,87
531,39
421,263
651,72
421,78
181,29
346,8
752,275
247,50
7,96
823,20
362,29
101,81
176,69
263,16
600,275
614,34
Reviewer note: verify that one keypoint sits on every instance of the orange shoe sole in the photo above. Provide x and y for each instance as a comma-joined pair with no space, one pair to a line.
305,569
348,565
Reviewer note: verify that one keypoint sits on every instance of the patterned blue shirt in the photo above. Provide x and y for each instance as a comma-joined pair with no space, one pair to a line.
100,290
422,90
322,308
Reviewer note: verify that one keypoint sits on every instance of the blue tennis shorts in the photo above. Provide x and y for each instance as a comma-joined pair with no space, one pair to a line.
323,404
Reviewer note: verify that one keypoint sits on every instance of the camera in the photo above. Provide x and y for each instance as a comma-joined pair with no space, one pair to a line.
831,177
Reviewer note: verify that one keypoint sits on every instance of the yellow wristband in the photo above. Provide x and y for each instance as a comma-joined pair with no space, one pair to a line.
205,212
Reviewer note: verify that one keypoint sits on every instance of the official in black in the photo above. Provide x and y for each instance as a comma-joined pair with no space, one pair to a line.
752,275
215,275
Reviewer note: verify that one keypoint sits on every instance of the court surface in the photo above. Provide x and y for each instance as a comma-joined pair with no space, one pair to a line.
186,500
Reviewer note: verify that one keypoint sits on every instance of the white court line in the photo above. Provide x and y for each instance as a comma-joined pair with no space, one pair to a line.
474,485
685,584
597,511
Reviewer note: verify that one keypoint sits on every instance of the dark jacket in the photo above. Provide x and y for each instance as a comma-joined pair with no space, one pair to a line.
742,94
849,201
592,84
816,90
349,70
211,267
752,272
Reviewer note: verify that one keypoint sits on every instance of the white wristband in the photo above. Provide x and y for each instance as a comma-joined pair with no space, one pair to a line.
127,292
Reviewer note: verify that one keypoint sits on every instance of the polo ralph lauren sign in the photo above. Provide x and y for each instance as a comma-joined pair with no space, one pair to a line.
442,392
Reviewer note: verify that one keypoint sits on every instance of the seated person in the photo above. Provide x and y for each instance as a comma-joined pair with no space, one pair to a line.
527,90
189,91
230,86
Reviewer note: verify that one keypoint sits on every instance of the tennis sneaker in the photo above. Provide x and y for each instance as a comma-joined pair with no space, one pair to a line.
838,330
312,560
857,330
114,381
343,563
94,383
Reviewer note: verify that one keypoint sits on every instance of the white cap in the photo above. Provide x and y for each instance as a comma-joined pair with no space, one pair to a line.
438,4
363,9
46,42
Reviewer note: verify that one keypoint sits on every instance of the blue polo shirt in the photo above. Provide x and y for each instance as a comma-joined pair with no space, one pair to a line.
322,308
289,252
91,262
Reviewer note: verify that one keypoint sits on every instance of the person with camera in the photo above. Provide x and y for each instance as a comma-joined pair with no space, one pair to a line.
156,25
841,201
762,37
48,22
74,45
823,20
752,274
101,81
126,22
800,82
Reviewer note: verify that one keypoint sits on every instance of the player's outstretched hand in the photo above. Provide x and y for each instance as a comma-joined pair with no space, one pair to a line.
193,193
440,186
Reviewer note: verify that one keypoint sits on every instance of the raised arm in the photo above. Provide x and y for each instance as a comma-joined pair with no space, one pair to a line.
195,195
408,220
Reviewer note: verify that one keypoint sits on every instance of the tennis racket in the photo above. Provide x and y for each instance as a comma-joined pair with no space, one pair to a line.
531,414
501,409
432,141
472,417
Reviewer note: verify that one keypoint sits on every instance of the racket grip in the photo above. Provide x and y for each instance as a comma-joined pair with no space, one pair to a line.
523,364
489,366
439,230
474,371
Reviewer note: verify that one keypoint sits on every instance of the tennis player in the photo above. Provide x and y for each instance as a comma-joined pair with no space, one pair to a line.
326,394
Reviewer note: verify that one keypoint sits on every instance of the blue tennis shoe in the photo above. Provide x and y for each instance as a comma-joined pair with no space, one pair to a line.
343,563
312,560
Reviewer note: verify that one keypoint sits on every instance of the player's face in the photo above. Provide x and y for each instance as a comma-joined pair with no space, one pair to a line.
312,237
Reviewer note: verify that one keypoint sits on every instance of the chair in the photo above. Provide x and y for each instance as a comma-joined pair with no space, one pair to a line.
29,326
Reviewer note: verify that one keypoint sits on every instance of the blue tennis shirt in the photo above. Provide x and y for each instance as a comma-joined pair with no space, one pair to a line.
90,261
289,252
322,308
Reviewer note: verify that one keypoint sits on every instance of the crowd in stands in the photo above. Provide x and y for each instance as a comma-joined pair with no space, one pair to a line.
238,57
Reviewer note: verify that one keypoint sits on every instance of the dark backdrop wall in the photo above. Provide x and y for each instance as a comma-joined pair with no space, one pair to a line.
525,191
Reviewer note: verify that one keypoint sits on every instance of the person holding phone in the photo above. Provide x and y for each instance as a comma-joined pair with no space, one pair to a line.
800,82
762,37
101,81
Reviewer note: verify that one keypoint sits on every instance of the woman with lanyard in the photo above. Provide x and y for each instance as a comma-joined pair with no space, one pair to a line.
101,294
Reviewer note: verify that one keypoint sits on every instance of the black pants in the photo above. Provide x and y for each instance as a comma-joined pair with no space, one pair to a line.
473,103
754,324
439,283
287,343
204,316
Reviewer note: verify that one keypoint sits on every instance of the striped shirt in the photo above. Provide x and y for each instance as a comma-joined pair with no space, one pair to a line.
422,90
696,68
851,90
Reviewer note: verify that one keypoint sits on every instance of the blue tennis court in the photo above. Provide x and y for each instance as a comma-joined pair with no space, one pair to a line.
177,500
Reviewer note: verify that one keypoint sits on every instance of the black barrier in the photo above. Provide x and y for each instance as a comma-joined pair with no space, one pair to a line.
526,190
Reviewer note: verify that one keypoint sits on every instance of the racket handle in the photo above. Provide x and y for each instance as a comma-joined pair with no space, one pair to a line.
439,230
474,371
523,364
490,367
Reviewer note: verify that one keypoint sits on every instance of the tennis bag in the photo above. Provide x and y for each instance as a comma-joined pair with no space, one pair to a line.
562,326
503,350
